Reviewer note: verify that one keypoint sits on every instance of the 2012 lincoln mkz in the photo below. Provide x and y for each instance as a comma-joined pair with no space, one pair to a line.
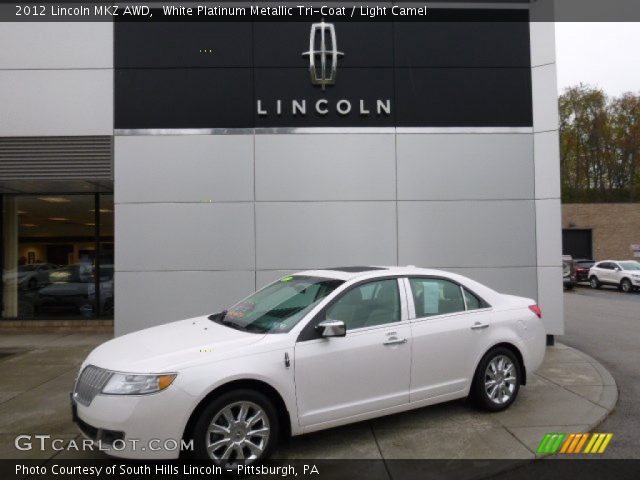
311,351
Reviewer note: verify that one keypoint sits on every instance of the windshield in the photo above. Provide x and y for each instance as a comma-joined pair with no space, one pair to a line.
630,265
278,307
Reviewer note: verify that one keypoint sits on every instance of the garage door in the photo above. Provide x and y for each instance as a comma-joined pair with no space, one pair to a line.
577,243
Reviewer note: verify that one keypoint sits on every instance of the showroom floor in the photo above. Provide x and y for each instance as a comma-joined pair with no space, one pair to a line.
571,393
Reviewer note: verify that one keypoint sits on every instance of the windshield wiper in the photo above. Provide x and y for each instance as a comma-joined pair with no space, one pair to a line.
217,317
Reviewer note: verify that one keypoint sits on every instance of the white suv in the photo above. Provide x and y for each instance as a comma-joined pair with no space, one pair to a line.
623,274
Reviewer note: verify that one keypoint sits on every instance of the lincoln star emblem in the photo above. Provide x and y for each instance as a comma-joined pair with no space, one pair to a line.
323,54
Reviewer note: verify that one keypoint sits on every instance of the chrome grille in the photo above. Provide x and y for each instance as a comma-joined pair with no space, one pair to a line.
90,383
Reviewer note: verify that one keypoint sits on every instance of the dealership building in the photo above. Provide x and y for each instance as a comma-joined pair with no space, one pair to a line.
152,171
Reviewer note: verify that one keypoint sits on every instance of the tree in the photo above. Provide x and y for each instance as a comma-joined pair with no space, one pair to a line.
599,146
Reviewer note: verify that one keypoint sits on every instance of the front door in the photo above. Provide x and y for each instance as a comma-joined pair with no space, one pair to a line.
365,371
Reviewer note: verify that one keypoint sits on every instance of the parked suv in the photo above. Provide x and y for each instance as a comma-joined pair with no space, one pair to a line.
623,274
568,272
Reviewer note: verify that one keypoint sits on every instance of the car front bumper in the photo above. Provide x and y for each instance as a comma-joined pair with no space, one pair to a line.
147,427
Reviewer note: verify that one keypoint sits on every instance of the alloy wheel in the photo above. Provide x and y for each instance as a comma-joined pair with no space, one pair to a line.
500,379
238,434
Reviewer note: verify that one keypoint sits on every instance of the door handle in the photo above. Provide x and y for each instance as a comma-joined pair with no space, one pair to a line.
395,341
479,326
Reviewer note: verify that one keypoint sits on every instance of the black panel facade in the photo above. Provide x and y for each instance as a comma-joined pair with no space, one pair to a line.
463,97
182,44
183,98
245,75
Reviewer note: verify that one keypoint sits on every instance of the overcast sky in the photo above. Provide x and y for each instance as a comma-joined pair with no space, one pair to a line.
603,54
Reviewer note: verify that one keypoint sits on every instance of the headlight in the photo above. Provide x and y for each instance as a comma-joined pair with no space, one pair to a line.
134,384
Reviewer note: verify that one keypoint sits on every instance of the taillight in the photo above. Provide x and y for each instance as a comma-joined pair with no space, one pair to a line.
536,309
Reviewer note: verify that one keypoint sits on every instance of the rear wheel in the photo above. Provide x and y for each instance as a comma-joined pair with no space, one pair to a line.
626,286
238,427
594,282
497,380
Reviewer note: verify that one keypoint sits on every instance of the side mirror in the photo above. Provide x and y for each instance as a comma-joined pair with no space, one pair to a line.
332,328
617,269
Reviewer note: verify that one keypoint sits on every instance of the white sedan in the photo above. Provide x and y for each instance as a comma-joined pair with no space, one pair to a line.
310,351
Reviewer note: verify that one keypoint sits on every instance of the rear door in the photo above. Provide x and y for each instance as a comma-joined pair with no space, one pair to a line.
606,272
450,329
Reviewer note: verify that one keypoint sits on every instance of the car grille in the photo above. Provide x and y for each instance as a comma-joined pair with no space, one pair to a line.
91,382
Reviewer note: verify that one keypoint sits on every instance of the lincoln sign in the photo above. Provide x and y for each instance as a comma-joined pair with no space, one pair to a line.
321,107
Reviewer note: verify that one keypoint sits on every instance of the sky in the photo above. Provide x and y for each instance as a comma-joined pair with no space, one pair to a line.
606,55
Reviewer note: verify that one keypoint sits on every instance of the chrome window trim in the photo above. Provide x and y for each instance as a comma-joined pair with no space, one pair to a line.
447,315
464,298
404,304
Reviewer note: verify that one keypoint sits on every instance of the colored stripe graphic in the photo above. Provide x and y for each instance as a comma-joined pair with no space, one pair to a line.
598,443
582,442
573,443
550,443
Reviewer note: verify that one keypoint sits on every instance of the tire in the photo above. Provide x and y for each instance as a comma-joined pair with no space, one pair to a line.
32,284
594,282
237,443
506,392
626,286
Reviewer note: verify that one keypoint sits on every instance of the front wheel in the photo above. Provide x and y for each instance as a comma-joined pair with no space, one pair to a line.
497,380
626,286
594,282
238,427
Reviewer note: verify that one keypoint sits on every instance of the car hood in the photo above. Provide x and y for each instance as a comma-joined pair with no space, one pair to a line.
171,346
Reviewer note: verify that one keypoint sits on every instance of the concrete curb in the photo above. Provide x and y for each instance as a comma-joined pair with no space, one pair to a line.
599,389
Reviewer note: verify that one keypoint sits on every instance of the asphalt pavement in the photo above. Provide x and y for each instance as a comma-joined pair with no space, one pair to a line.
605,324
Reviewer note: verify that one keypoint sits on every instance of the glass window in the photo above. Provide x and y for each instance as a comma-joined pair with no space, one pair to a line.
50,266
473,302
367,305
432,296
630,265
278,307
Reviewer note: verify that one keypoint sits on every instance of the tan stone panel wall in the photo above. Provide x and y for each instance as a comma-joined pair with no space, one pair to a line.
615,226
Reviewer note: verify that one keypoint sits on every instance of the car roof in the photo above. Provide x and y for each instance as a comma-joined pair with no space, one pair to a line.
350,273
365,273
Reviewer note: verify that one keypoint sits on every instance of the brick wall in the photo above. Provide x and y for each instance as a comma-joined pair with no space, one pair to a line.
615,226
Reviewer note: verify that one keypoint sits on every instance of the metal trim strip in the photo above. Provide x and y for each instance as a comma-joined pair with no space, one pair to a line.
322,130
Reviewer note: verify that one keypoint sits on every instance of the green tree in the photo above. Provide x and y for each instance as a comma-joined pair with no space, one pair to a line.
599,146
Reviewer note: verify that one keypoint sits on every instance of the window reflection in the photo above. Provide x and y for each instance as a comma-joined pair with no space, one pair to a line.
51,269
